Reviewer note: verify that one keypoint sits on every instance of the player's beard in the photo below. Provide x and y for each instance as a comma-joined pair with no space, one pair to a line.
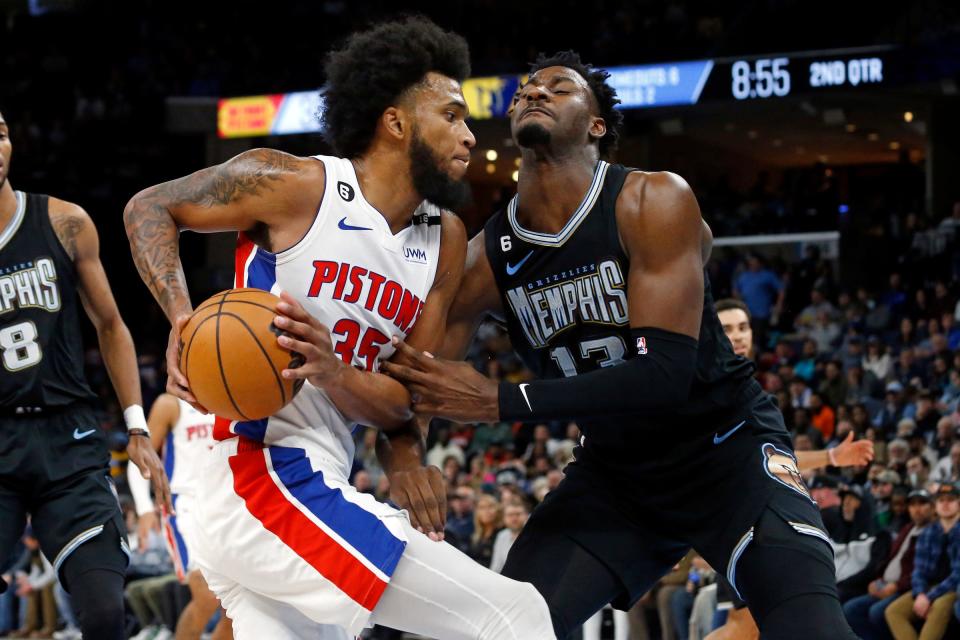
431,181
533,134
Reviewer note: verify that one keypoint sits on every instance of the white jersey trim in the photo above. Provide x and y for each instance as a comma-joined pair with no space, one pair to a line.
14,225
558,239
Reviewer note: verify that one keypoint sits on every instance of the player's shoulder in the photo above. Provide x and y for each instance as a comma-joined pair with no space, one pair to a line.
68,220
452,229
65,208
297,174
657,199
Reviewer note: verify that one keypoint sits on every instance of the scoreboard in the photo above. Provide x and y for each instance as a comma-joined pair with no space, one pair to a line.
669,84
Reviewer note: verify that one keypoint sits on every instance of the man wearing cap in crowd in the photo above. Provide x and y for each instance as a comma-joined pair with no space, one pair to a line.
865,612
936,574
853,532
881,489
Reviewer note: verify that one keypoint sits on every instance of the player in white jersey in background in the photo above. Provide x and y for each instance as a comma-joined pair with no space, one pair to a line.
286,542
185,437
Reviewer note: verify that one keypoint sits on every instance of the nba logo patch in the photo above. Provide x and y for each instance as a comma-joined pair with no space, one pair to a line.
641,346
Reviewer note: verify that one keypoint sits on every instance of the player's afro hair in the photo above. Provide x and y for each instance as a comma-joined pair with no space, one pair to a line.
375,67
605,95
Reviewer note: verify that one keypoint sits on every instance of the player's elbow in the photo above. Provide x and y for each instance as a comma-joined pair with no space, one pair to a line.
145,204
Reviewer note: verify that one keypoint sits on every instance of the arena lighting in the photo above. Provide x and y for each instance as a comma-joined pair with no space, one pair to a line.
894,145
851,128
749,78
491,155
908,116
491,168
516,176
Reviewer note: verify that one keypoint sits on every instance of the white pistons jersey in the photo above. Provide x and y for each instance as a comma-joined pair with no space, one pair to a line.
185,448
360,280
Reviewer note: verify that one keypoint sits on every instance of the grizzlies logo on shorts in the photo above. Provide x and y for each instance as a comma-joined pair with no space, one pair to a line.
782,467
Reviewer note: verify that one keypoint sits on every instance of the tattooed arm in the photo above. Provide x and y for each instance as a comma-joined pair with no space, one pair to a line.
260,190
268,193
78,235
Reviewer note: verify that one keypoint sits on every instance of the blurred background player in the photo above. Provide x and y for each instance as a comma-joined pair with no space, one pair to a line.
314,550
54,464
185,437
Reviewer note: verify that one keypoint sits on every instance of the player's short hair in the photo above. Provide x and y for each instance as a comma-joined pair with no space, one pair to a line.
726,304
374,68
603,92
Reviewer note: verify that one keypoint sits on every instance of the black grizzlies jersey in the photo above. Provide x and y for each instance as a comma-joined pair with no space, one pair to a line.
40,343
564,298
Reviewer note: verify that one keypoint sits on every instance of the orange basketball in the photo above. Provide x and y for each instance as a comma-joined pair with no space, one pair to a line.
231,357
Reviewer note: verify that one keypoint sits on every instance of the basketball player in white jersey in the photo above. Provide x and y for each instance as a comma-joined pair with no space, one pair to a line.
185,437
361,251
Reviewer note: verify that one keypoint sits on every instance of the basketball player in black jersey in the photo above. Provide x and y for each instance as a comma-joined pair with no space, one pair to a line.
54,464
598,272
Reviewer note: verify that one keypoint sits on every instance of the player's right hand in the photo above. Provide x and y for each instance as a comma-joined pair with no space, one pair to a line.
423,493
177,384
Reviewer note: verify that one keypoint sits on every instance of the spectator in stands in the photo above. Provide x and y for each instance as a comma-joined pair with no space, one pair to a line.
881,489
951,393
806,366
918,472
865,612
936,574
822,416
892,410
443,449
877,361
763,292
948,468
459,527
487,522
819,310
944,439
899,510
515,514
542,443
834,388
852,530
34,577
926,414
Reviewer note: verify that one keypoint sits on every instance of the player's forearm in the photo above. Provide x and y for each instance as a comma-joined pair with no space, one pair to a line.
657,380
155,245
120,357
370,398
807,460
457,339
401,448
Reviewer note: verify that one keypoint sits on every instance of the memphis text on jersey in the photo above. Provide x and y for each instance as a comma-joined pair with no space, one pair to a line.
29,284
593,293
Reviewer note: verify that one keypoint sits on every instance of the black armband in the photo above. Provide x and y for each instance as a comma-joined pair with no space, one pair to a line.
657,377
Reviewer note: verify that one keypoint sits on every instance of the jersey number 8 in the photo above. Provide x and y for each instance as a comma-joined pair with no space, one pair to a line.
19,346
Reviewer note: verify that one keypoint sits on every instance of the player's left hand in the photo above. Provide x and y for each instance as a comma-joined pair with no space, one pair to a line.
142,454
921,605
307,336
445,388
423,493
851,454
